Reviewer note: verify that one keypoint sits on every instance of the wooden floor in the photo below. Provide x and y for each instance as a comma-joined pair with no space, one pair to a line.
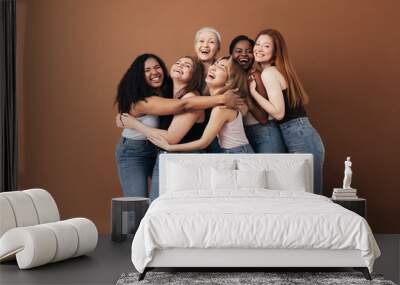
110,260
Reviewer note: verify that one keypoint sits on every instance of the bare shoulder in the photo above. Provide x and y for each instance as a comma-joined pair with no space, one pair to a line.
223,113
220,110
272,74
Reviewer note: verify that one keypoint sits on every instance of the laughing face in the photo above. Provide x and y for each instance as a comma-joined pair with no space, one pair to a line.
264,49
217,74
243,54
206,46
153,73
182,70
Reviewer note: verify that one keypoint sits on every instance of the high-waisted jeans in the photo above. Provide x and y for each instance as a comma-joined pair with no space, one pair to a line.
266,138
301,137
135,162
239,149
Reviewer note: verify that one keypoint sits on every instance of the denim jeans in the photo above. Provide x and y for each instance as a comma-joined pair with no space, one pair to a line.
266,138
213,147
135,162
239,149
301,137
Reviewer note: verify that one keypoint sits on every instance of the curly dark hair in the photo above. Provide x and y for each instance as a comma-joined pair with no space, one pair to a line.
133,86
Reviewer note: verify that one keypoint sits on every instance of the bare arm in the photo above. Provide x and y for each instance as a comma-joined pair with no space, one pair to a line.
218,118
156,105
275,105
258,112
179,127
159,106
204,102
128,121
182,123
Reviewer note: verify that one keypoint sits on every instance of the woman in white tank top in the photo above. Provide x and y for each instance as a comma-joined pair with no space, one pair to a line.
224,123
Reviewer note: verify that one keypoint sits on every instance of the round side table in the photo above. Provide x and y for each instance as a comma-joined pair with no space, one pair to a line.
126,214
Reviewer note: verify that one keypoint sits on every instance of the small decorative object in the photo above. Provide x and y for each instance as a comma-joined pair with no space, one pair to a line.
347,192
347,174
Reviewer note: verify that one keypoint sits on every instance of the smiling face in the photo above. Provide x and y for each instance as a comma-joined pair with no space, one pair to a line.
153,73
182,69
264,49
206,46
217,74
243,54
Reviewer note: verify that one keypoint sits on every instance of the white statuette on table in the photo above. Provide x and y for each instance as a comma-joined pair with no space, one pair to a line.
347,174
347,192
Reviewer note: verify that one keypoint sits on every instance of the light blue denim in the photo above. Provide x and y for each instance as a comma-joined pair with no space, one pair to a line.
266,138
301,137
135,162
239,149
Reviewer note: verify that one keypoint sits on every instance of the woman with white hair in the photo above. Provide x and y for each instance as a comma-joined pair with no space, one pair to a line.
207,43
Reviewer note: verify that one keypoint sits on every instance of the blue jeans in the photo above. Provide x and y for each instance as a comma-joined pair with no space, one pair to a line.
301,137
266,138
239,149
135,162
214,147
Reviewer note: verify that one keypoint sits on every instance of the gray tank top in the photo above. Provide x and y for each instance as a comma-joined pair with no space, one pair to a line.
148,120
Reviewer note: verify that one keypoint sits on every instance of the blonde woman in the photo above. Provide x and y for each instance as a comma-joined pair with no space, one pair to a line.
207,44
224,123
286,100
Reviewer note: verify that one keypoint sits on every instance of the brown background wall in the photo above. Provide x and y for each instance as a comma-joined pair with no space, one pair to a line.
71,55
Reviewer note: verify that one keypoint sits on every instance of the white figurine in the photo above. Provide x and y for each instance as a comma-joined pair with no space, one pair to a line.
347,174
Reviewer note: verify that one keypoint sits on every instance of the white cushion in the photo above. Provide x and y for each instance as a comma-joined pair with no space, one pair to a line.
45,205
291,175
292,179
184,175
41,244
87,233
33,246
67,240
7,218
226,179
251,178
223,179
23,208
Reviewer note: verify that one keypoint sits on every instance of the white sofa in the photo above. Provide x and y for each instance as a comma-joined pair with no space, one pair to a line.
31,230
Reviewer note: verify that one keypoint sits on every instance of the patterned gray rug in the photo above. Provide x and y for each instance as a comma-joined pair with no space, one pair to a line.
244,278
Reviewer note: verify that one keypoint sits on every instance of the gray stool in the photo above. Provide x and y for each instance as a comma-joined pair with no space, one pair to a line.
126,214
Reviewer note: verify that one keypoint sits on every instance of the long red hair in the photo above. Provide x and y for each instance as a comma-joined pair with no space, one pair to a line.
280,59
